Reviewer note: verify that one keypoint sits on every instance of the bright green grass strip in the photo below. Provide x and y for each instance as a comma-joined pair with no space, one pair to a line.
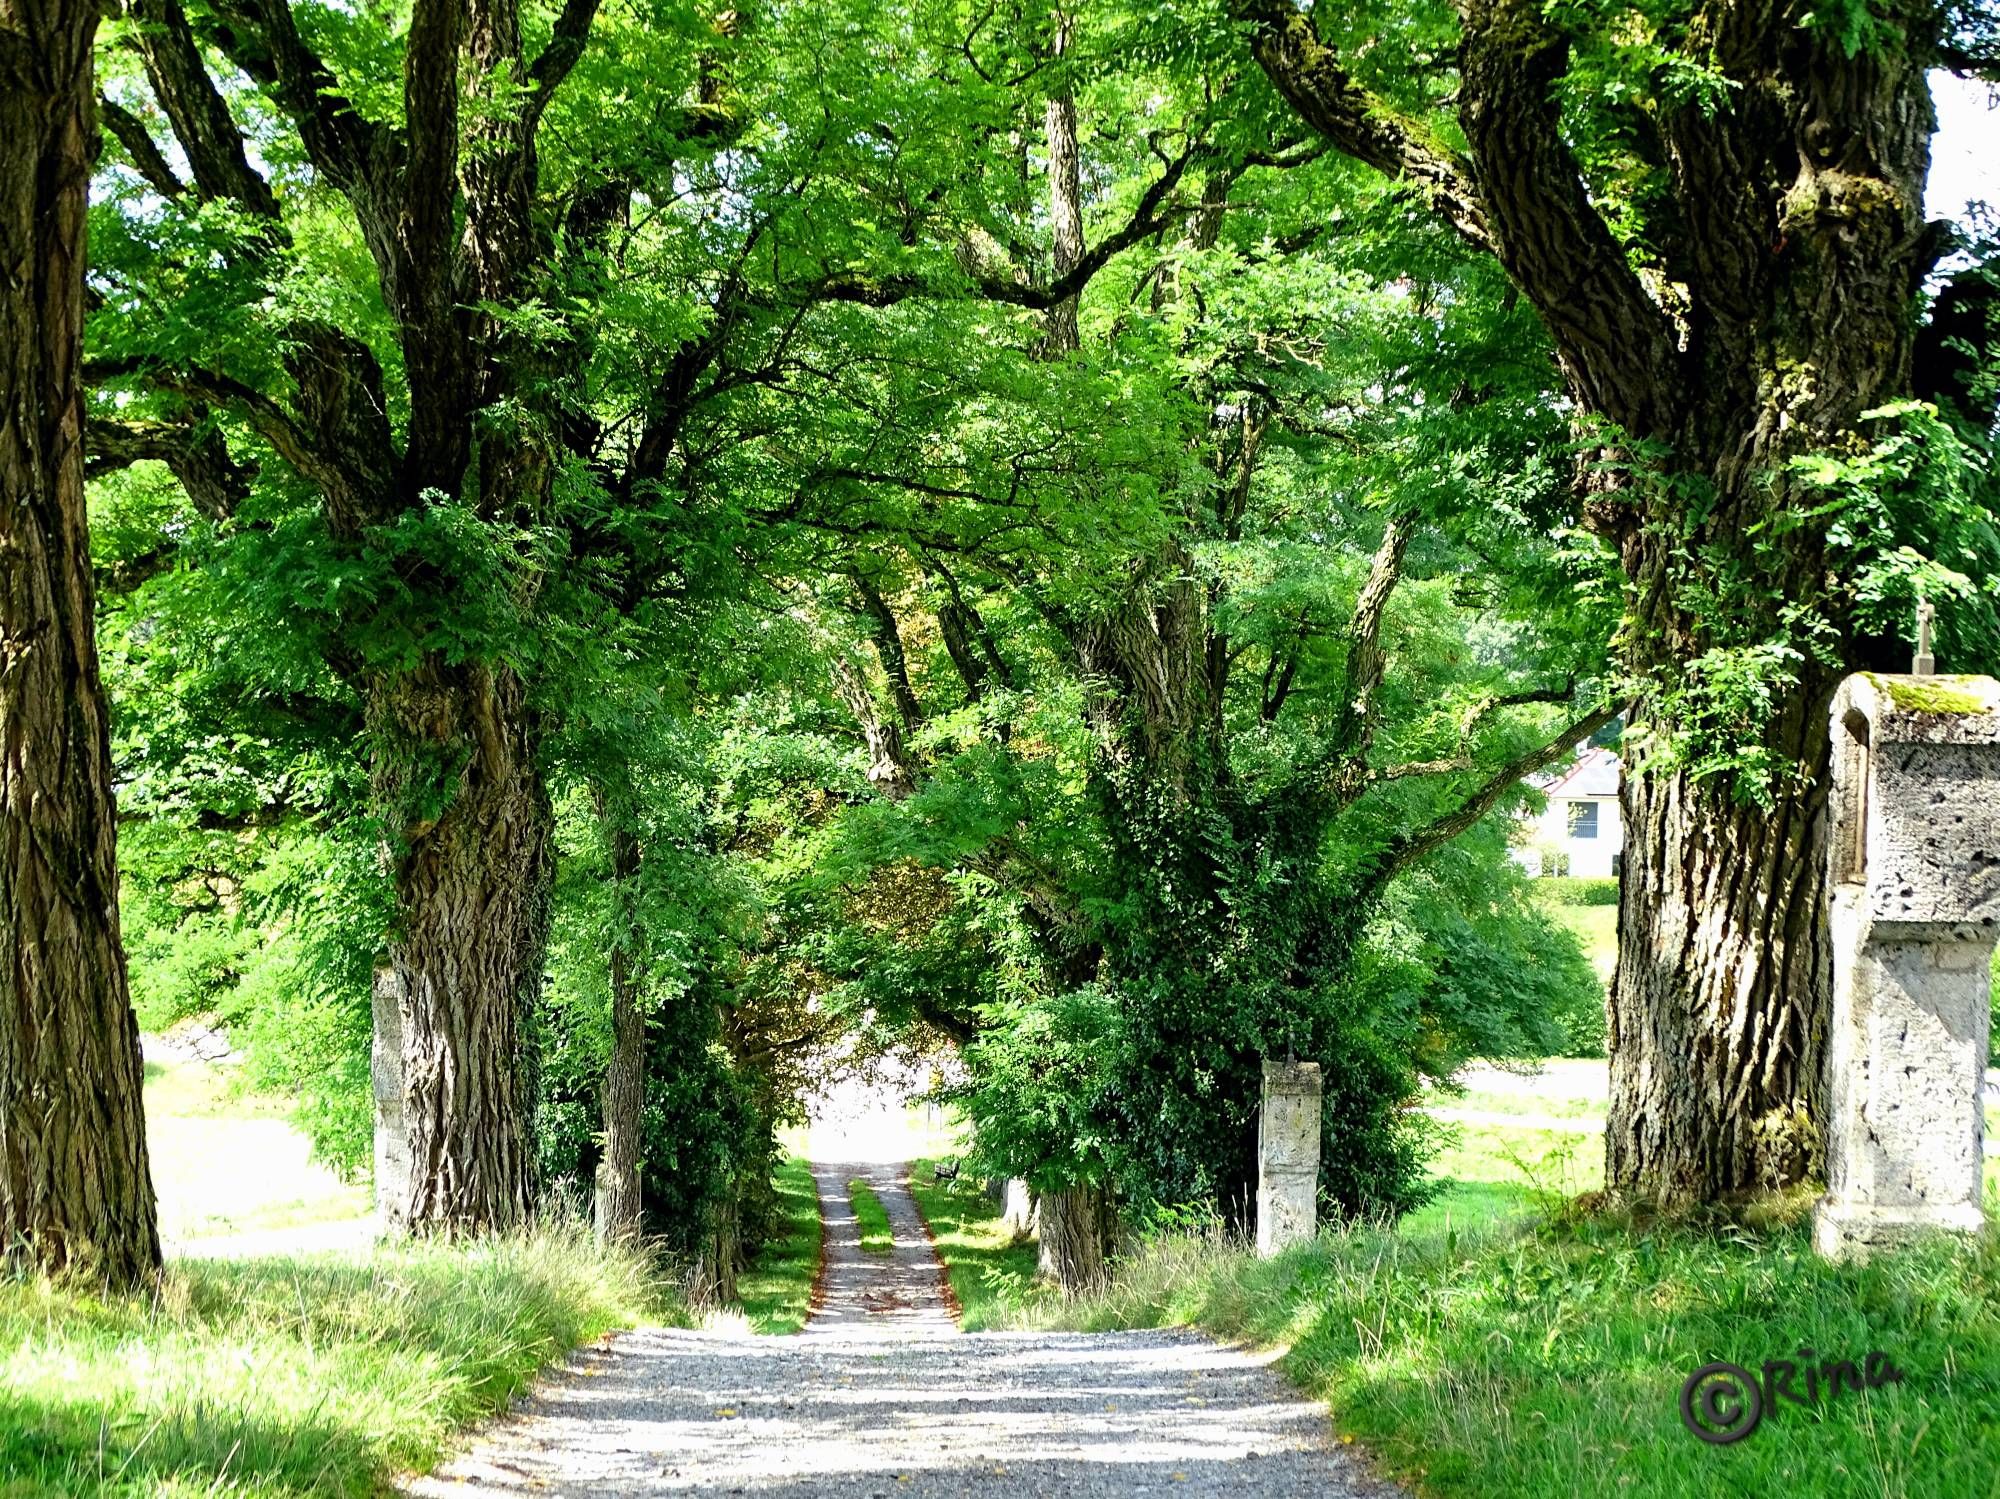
1549,1359
1596,927
876,1235
776,1291
316,1375
991,1275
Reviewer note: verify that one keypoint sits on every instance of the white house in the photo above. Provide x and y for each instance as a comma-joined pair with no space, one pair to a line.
1579,833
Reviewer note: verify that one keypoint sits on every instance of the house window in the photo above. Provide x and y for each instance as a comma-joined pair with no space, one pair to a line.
1583,819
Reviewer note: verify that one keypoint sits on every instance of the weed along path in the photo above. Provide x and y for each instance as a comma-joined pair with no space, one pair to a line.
882,1395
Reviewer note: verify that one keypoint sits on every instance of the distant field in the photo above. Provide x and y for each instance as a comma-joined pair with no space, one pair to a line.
227,1161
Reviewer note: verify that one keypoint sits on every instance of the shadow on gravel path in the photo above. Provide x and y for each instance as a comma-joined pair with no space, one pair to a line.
881,1395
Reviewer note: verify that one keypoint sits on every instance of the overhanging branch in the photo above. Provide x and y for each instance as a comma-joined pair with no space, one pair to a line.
1410,846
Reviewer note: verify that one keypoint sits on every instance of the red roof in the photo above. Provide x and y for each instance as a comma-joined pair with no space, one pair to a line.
1594,773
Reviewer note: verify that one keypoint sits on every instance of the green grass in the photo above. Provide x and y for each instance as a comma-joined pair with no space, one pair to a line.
1482,1347
316,1375
1548,1359
873,1218
776,1291
1596,927
1492,1101
990,1274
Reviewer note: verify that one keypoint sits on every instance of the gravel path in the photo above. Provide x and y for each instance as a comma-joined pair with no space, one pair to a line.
881,1395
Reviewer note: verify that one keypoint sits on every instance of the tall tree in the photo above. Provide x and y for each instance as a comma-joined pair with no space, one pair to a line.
1717,210
1153,494
75,1188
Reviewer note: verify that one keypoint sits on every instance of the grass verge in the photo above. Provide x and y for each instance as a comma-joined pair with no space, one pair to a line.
991,1275
871,1217
317,1375
776,1291
1512,1362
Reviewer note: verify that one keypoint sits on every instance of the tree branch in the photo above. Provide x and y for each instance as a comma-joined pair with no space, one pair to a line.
262,39
1310,75
566,42
1474,716
889,647
195,108
140,146
1408,847
1617,346
1346,765
1151,215
194,451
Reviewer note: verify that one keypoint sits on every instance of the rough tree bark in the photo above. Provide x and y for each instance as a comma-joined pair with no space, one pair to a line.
472,891
1076,1229
1801,247
618,1200
75,1188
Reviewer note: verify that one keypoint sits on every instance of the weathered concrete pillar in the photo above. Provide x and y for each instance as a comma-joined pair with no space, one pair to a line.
1018,1207
1287,1155
1915,894
392,1134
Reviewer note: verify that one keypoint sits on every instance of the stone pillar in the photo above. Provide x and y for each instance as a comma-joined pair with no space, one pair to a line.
1018,1208
392,1134
1915,895
1287,1155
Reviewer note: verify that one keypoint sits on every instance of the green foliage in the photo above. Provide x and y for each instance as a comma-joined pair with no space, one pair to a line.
299,1376
764,261
702,1133
1905,516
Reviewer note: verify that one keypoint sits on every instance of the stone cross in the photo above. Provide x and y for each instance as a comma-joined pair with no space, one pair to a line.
1288,1155
1914,883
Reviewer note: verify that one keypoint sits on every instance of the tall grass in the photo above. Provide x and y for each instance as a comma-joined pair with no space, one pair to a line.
314,1375
1513,1362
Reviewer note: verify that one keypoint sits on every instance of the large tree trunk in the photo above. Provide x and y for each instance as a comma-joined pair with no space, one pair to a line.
625,1074
1805,273
472,893
1718,1028
75,1187
1077,1227
1790,263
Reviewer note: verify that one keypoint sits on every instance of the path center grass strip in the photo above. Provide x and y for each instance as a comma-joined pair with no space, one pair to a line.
317,1375
876,1235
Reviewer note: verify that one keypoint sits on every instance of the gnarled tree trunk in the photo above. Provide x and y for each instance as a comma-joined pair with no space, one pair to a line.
1077,1228
1793,256
472,891
1717,1031
75,1188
